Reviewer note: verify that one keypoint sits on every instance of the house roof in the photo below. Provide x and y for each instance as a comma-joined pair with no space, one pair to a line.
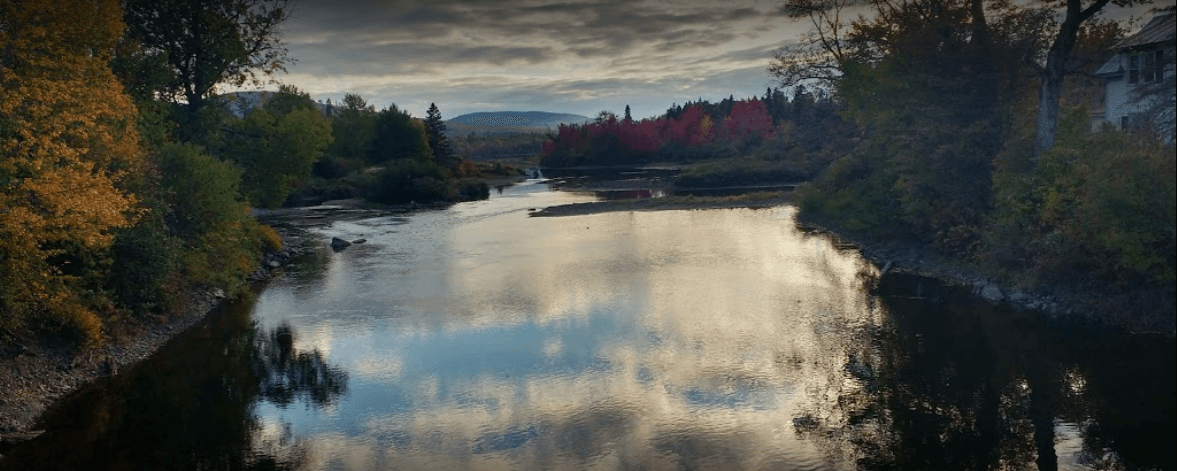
1111,68
1160,28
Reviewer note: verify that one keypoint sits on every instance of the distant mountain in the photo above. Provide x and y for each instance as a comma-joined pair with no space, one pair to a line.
539,119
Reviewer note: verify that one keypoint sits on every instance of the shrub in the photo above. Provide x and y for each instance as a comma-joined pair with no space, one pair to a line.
472,190
1100,203
738,172
411,180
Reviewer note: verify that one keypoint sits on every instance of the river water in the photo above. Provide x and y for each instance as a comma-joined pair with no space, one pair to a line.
478,338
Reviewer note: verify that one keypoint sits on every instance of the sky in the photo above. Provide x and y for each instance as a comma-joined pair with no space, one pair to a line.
562,56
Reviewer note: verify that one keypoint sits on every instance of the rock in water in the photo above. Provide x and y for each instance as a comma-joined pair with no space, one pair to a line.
337,243
992,293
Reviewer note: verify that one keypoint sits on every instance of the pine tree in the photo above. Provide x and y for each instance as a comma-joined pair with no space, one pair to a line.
438,143
628,117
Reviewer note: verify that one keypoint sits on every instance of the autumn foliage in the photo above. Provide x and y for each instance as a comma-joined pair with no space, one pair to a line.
67,136
611,141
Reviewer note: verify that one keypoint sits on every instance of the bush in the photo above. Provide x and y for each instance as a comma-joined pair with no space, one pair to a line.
411,180
221,243
317,190
853,194
145,264
331,167
1102,204
473,190
739,172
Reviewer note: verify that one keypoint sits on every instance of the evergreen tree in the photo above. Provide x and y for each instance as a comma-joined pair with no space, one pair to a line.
354,128
628,117
438,143
398,136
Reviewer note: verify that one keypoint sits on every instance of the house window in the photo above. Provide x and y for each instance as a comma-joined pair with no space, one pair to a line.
1146,66
1150,67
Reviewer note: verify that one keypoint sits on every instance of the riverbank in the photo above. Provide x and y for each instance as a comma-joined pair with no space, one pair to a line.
750,200
1139,311
1135,311
34,373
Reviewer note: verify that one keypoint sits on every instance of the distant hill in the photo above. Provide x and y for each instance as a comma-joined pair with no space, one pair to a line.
538,119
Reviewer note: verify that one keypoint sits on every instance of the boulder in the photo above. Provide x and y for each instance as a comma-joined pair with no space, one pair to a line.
992,293
337,243
805,423
1018,296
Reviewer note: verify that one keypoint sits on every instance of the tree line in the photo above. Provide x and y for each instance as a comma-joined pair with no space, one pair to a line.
787,134
126,179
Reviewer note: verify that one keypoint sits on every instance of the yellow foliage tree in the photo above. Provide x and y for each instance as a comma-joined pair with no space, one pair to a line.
67,135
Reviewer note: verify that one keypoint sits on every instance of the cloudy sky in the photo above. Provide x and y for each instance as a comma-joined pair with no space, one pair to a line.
575,56
567,56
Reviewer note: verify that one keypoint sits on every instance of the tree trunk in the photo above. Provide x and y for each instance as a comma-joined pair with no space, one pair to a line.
1048,101
1056,68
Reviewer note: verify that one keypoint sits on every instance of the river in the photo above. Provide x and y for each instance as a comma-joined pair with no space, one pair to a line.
478,338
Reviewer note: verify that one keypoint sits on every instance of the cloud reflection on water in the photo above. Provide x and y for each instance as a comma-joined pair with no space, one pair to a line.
614,340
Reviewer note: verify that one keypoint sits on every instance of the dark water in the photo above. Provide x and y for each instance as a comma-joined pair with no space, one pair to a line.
478,338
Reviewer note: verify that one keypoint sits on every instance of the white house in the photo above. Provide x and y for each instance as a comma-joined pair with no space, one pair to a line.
1142,59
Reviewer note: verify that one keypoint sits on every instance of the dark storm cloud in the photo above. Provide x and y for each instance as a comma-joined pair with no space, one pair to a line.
404,58
578,56
582,28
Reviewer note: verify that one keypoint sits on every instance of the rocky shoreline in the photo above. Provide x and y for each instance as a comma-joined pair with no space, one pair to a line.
33,375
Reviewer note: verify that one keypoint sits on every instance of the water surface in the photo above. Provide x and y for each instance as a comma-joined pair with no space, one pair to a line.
479,338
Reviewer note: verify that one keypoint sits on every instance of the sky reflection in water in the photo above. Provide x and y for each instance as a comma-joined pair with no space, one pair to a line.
480,338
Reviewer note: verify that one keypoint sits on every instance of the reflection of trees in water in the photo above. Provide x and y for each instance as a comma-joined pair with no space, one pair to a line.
959,386
309,274
284,374
190,406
